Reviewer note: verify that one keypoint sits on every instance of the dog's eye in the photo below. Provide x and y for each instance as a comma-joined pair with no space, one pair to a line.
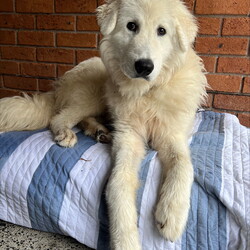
132,26
161,31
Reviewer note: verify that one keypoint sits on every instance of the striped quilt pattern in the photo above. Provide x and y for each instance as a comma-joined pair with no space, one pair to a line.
62,190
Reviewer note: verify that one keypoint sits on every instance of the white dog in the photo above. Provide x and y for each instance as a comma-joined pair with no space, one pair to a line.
152,84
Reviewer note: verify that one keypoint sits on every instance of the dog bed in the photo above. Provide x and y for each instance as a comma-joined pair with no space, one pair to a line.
62,190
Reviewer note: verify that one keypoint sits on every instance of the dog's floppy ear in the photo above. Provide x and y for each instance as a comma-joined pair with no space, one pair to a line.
186,28
107,16
181,37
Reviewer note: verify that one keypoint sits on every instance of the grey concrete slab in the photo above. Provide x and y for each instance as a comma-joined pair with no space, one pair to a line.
13,237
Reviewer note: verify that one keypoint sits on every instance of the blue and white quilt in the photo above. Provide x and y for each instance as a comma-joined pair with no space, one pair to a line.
62,190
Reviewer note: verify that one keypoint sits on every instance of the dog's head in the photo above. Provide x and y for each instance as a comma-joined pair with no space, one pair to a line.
145,35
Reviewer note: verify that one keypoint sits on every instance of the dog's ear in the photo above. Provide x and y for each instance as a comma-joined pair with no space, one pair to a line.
186,28
181,37
107,16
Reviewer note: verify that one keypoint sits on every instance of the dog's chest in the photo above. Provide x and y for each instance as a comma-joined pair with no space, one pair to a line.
147,110
154,104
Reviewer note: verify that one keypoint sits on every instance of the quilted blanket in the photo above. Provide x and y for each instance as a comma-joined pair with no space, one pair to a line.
62,190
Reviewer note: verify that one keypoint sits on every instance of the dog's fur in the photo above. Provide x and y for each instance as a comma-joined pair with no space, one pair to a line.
158,108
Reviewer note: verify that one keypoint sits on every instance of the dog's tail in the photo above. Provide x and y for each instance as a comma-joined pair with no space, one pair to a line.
26,113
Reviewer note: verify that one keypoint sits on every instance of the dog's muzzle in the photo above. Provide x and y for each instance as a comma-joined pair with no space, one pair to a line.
144,67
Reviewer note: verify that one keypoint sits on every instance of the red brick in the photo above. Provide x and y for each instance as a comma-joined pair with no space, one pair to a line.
1,81
222,7
61,69
36,38
7,67
233,65
35,6
232,102
101,2
221,45
225,83
75,6
18,53
244,119
236,26
190,4
8,93
82,55
209,101
55,55
209,25
38,69
100,37
55,22
17,82
7,37
209,63
17,21
246,86
76,40
45,85
87,23
6,6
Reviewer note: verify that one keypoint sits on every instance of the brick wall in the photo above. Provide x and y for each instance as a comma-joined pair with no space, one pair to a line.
40,40
223,43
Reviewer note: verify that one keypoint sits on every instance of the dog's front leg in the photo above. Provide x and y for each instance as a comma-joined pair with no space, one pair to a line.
174,197
128,151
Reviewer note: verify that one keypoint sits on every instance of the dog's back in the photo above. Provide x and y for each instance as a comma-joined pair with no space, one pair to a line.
78,95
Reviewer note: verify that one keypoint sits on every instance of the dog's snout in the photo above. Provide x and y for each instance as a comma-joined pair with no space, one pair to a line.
144,67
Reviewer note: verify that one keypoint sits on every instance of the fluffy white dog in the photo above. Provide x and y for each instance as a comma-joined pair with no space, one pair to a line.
151,82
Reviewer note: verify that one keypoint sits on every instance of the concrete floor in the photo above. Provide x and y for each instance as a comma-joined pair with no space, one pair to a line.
13,237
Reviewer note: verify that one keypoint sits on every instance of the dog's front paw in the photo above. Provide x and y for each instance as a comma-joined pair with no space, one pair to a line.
66,138
171,216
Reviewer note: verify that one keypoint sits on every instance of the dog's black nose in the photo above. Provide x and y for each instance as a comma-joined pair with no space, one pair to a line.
144,67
